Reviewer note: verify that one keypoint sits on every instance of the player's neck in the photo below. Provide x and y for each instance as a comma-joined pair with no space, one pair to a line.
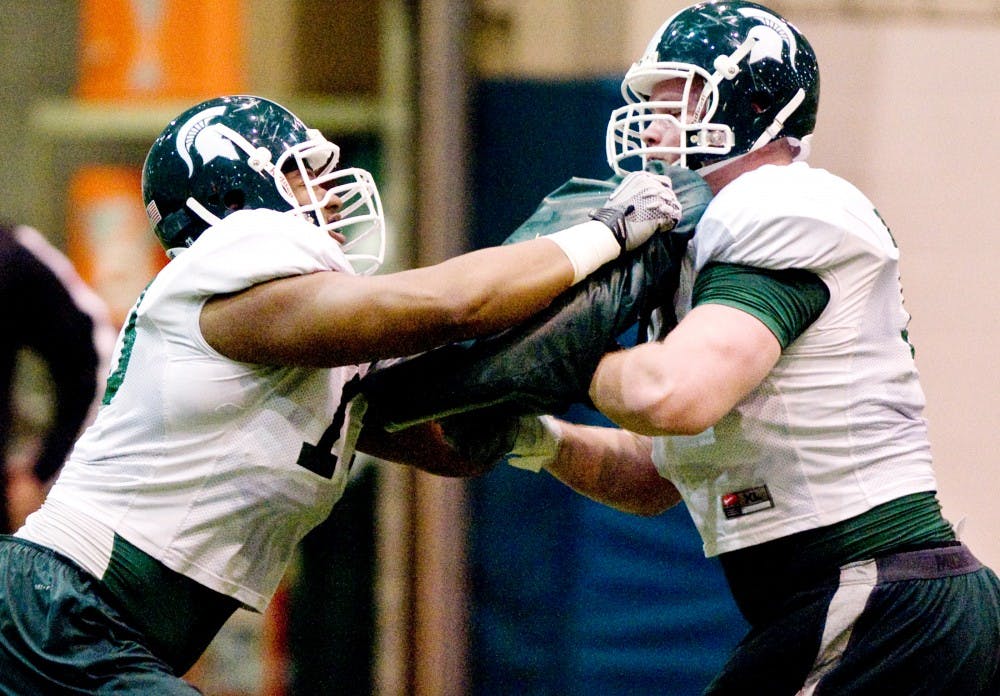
779,152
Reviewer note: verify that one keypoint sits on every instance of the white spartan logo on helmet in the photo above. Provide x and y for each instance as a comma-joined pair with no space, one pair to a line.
209,143
770,34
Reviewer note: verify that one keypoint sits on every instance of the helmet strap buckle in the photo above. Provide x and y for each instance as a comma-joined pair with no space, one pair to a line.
728,67
260,160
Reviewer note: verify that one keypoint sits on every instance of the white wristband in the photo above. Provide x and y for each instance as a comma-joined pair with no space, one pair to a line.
588,245
537,443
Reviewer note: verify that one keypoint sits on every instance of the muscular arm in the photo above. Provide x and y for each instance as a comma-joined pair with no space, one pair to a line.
718,354
327,319
687,382
609,465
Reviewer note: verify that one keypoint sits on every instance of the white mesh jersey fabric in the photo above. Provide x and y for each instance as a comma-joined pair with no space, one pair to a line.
194,458
837,427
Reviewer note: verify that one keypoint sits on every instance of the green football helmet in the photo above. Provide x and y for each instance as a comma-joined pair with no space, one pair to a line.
760,82
231,153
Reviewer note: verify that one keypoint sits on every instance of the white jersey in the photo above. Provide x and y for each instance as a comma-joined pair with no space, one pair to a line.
193,456
836,428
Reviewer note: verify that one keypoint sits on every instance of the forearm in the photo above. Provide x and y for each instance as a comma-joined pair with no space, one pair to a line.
422,446
491,289
475,294
329,318
637,390
613,467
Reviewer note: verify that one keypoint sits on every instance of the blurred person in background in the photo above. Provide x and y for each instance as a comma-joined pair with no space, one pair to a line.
54,348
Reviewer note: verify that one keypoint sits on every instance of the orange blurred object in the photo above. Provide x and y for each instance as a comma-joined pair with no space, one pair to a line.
108,237
152,49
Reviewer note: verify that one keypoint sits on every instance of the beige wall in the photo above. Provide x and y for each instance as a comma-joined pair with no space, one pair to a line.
908,113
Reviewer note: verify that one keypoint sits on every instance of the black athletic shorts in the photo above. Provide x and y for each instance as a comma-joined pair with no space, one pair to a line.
920,622
59,636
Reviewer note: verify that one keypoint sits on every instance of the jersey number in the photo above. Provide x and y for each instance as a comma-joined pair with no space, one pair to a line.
319,458
116,378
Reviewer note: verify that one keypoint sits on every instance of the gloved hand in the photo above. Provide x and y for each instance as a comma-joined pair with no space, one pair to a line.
482,437
536,443
643,204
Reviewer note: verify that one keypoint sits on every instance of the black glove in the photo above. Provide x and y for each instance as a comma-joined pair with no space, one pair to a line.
481,438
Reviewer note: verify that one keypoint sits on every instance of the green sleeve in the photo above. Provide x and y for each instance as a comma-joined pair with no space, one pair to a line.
786,301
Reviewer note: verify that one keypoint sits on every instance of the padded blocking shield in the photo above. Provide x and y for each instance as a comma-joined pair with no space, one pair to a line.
545,364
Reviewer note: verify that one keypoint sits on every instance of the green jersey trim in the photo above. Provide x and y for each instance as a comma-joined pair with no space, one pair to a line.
786,301
761,577
177,615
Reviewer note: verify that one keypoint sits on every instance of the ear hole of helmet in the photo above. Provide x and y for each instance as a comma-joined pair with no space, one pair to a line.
761,102
234,199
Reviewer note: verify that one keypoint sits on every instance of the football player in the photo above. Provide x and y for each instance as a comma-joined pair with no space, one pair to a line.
230,417
784,408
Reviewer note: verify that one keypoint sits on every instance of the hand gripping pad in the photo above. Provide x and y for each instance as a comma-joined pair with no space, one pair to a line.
545,364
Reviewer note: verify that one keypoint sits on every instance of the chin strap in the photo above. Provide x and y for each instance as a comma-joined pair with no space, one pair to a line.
727,68
804,146
258,158
709,168
201,211
779,121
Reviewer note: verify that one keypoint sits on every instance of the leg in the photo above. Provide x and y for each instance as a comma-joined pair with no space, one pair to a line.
58,635
924,636
775,656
